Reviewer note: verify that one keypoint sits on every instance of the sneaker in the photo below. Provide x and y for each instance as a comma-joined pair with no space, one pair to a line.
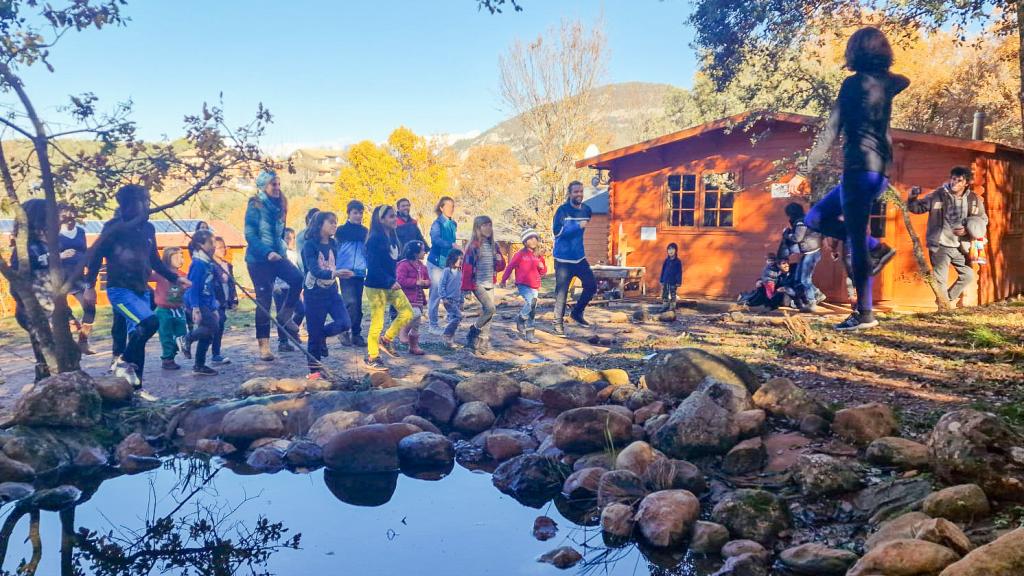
374,364
184,347
218,359
580,320
314,376
345,339
127,371
388,347
558,329
169,365
147,397
435,329
531,337
854,323
203,371
358,341
448,341
881,256
521,326
821,297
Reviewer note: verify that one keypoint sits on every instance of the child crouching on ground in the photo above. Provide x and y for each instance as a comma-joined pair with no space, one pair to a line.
529,267
413,277
765,284
170,311
671,276
201,299
450,292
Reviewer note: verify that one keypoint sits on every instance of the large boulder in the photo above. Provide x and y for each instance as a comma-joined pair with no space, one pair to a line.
817,560
437,402
114,390
583,484
751,422
1003,557
752,515
746,457
781,397
669,474
569,395
963,503
620,486
361,450
263,386
904,558
708,537
251,422
865,423
898,452
665,518
703,423
903,527
68,400
636,457
304,454
822,475
531,479
426,451
968,446
332,423
617,520
500,445
268,459
473,417
942,531
494,389
678,373
589,429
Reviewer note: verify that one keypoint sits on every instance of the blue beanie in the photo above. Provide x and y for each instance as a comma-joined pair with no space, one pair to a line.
264,178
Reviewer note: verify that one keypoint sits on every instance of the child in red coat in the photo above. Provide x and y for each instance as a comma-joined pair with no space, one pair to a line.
529,267
412,276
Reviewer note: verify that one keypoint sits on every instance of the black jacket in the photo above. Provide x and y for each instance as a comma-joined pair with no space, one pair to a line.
409,230
671,272
799,239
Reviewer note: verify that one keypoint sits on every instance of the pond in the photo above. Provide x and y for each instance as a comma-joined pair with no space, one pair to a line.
374,524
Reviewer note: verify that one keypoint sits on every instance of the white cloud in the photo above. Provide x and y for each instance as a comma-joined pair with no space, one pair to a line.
284,149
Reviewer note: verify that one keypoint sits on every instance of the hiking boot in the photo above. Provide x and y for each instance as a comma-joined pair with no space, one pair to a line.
265,354
169,365
358,341
388,346
855,322
184,346
374,364
218,359
521,326
285,346
345,338
472,337
414,345
203,371
881,256
558,329
531,337
578,318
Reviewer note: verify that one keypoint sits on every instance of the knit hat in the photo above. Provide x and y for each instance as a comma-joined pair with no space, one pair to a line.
529,233
264,178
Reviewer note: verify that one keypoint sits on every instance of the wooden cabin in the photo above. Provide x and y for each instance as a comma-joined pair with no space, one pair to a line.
597,232
167,234
712,190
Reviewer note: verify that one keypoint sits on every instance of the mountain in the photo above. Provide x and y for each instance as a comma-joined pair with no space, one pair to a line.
622,109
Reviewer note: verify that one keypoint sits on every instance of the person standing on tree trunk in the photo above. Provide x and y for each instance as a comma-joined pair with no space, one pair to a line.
570,221
266,258
442,241
861,114
956,216
72,255
128,244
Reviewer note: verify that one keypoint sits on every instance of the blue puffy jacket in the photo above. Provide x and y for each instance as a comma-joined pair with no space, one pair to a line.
264,227
442,240
351,255
569,232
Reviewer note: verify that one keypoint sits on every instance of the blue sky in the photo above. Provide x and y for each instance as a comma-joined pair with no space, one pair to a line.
342,71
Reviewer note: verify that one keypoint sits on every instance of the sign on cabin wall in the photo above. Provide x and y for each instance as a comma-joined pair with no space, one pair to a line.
780,190
649,233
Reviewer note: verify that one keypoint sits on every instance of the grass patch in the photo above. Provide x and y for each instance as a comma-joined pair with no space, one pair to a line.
985,338
1012,413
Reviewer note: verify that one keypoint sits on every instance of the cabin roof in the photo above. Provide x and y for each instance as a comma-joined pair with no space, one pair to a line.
168,233
604,161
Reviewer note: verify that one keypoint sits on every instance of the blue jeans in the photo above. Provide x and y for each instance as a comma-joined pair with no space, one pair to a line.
852,200
806,273
529,305
434,299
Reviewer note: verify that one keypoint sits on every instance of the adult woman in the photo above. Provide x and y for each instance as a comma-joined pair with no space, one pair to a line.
442,240
862,112
382,287
265,257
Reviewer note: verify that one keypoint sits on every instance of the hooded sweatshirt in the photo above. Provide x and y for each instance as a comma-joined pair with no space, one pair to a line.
569,232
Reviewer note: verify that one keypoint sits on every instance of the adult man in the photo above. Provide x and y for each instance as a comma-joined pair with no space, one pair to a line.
408,229
128,243
351,255
570,221
799,239
956,215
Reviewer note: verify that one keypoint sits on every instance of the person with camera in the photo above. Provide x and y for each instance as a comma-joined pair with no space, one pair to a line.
956,215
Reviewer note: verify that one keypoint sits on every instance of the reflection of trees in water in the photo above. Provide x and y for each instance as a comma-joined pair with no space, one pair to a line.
197,536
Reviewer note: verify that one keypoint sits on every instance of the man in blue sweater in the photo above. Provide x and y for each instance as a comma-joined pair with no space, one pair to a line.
570,222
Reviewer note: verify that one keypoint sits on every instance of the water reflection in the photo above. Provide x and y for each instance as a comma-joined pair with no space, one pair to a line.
198,517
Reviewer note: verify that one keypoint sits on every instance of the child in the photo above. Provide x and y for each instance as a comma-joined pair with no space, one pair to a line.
71,240
321,288
201,299
39,267
449,290
227,295
281,292
671,277
771,288
170,311
766,283
412,275
529,268
382,287
351,239
480,269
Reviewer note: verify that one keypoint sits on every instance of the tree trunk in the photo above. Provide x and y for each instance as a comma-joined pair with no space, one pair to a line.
941,298
67,541
1020,61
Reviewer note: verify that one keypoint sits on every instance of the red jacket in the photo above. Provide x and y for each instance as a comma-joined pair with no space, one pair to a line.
407,273
469,262
529,268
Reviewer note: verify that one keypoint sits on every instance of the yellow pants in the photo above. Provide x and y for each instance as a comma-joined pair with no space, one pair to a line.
379,300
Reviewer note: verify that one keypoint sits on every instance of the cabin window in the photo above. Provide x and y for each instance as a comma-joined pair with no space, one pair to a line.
876,221
682,197
1016,202
718,200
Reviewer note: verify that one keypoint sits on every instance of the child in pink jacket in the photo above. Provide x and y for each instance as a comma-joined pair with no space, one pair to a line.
413,277
529,267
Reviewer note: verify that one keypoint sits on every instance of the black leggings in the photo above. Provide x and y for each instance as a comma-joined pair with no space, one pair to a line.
564,273
218,336
204,333
321,303
300,312
135,351
263,275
